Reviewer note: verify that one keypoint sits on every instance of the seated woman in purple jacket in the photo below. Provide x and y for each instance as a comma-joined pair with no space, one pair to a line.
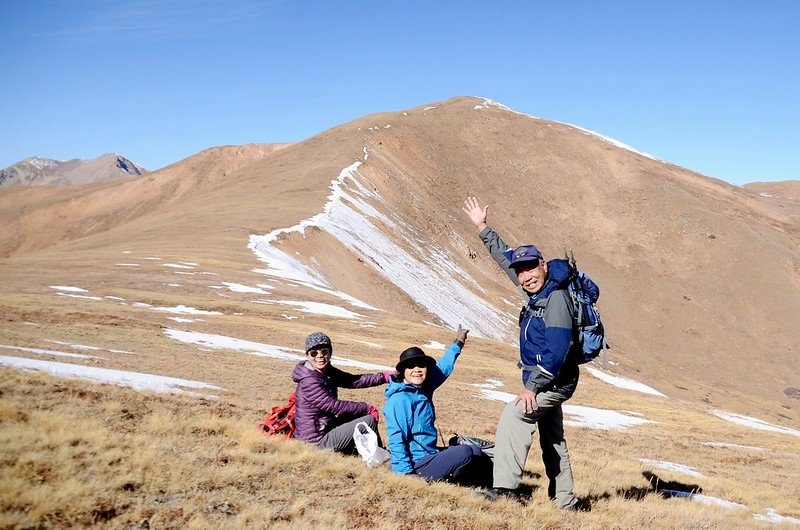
321,418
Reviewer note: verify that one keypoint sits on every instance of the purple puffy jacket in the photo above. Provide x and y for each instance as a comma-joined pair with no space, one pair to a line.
318,406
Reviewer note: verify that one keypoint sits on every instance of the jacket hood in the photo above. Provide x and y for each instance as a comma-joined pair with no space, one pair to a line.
394,387
558,276
558,272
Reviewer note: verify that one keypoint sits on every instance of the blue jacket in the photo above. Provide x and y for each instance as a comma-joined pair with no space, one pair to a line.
546,328
410,414
546,332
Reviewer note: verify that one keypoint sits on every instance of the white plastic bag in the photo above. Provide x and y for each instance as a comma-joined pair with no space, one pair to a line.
367,445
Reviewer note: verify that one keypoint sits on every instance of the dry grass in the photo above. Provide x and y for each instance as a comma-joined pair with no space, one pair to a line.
78,454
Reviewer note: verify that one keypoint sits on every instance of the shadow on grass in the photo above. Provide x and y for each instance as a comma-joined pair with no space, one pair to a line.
665,488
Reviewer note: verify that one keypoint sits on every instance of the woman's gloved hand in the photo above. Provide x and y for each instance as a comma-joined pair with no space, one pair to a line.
461,335
375,413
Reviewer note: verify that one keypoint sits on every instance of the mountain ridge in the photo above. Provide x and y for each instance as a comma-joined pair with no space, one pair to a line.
38,171
668,246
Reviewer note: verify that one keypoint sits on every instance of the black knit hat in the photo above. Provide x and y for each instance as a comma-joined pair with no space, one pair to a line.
410,354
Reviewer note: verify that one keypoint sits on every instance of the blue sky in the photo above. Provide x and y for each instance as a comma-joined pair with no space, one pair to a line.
710,85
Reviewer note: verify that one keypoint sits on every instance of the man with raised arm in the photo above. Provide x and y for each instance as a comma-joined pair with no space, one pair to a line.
549,369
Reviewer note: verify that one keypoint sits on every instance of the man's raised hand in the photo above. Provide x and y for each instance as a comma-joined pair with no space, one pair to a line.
475,213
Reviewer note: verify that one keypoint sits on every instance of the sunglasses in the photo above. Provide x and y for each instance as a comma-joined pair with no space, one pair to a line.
320,352
416,363
532,264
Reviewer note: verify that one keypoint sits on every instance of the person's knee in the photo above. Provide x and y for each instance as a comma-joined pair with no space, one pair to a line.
371,421
476,451
463,453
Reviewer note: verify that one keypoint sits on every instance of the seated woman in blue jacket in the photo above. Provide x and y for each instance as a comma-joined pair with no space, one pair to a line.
410,416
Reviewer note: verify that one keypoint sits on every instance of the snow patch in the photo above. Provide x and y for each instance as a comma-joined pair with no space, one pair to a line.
772,516
257,348
600,418
622,382
579,416
85,347
314,307
705,499
671,466
434,345
733,446
339,294
68,288
239,288
370,344
755,423
84,297
185,310
75,346
138,381
49,352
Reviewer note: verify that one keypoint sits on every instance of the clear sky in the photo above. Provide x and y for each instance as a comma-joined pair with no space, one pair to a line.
710,85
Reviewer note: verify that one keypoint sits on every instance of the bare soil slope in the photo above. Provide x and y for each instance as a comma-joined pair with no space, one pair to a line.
700,279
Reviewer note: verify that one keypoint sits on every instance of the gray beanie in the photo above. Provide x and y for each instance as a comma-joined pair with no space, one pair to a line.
317,339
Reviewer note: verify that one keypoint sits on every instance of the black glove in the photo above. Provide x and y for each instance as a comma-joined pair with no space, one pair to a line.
461,336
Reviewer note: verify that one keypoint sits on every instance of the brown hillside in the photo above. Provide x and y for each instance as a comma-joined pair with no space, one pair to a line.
700,279
787,189
78,211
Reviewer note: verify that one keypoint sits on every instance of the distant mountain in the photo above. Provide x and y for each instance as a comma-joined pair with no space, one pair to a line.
786,189
38,171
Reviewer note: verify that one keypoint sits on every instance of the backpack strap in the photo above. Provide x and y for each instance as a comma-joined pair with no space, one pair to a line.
537,308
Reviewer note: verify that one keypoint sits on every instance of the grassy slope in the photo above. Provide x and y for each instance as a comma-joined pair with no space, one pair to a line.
79,454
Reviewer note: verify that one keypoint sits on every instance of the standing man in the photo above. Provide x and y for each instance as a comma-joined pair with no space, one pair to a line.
549,370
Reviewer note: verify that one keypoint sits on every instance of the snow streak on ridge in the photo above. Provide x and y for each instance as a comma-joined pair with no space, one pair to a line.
426,273
487,102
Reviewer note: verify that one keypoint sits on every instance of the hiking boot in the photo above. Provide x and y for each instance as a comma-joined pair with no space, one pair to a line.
578,506
495,494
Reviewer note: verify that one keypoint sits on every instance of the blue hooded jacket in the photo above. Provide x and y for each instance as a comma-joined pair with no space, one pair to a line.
546,332
410,414
546,329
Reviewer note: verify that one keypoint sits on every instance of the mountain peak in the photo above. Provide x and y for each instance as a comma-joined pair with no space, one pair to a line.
39,171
